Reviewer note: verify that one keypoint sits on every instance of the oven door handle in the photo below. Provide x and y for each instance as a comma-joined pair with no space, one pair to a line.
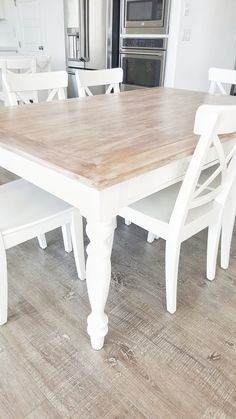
157,54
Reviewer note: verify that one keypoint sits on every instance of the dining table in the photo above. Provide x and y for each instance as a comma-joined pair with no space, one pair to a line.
101,154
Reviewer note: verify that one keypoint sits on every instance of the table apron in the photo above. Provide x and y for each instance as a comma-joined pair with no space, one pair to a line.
101,205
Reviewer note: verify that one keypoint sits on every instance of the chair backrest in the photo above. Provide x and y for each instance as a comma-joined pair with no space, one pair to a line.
210,122
19,64
111,77
17,86
217,76
44,63
15,65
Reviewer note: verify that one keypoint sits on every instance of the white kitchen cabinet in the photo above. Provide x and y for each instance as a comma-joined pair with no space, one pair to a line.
2,11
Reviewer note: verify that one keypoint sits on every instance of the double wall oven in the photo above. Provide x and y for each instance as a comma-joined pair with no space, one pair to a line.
143,42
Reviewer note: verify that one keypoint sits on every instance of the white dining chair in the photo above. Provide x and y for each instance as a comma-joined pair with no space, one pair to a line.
184,209
26,212
111,77
13,65
19,89
44,63
19,65
227,229
220,76
17,85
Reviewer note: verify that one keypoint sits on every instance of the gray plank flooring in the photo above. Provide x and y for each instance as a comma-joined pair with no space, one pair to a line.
153,365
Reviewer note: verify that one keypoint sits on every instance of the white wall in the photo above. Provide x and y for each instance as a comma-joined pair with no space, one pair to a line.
212,41
8,25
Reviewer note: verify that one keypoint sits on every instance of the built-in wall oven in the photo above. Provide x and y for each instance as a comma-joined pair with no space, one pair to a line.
143,62
144,16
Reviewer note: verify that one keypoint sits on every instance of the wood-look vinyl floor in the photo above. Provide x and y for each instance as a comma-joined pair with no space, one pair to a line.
153,365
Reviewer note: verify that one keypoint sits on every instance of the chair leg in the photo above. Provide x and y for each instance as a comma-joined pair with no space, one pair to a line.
42,241
151,237
78,243
3,285
212,248
226,237
66,233
127,222
172,267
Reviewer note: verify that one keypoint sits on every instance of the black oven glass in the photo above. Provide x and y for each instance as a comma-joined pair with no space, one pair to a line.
144,10
142,71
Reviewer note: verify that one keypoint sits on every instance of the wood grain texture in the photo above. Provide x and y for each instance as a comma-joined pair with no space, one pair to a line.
104,140
153,365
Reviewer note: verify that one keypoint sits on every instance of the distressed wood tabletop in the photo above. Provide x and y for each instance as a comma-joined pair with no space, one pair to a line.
106,139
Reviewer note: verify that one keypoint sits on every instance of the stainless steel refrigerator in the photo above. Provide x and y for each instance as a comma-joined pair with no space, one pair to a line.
92,29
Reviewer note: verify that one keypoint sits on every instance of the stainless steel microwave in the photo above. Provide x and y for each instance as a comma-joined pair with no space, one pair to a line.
145,16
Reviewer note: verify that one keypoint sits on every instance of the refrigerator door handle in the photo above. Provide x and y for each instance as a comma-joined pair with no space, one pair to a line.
84,29
109,15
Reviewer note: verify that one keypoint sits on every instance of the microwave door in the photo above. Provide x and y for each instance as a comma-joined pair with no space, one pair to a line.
145,16
144,13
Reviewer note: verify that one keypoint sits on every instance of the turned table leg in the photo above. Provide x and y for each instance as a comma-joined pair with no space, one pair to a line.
98,275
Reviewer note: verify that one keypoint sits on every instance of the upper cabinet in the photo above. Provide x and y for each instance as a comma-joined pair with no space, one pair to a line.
2,12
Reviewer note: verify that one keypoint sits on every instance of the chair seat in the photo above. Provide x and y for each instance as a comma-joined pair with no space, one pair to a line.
25,204
156,209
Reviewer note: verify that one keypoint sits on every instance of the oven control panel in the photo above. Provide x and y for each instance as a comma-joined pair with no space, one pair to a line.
144,43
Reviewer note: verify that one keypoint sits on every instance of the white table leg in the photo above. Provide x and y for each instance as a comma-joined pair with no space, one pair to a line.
98,275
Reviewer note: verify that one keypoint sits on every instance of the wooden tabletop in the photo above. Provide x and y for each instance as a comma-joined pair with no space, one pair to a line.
104,140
